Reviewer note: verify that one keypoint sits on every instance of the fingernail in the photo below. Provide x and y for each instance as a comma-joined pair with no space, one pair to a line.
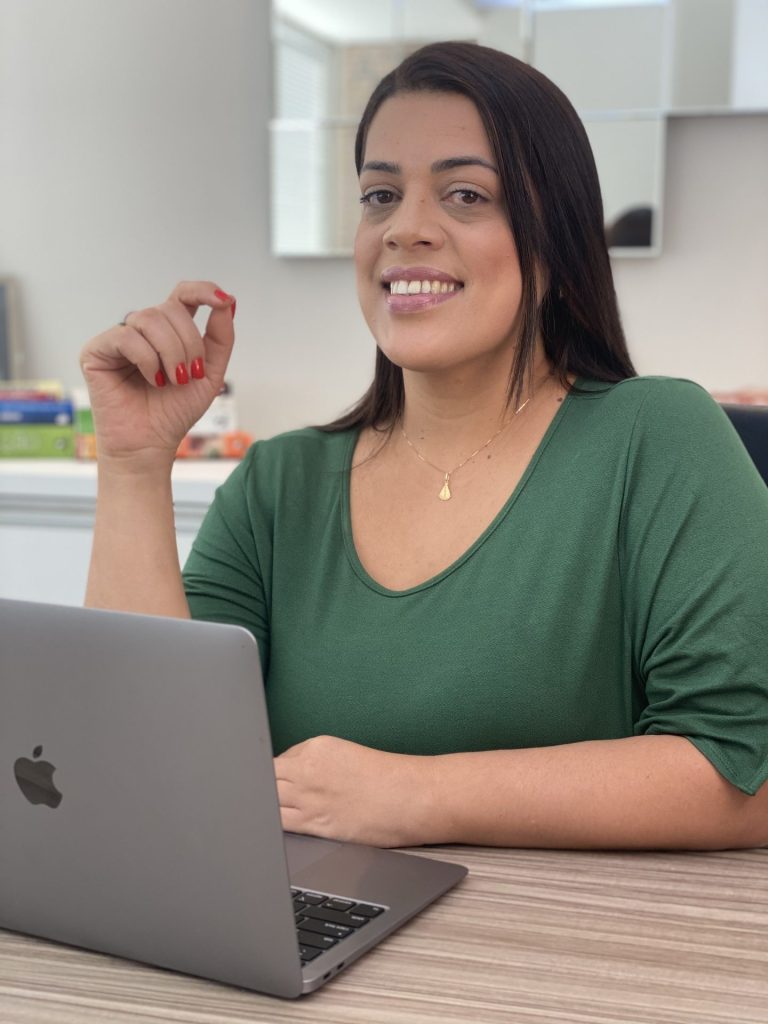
182,377
234,307
160,379
198,370
222,295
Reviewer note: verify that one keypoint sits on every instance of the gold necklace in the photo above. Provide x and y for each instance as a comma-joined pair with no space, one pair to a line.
445,492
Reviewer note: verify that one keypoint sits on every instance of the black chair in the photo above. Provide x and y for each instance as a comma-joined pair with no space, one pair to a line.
751,422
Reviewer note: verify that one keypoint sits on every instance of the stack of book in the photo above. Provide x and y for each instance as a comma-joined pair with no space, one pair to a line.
36,421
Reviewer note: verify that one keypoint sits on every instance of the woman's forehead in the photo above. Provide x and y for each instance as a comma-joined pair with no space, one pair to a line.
418,128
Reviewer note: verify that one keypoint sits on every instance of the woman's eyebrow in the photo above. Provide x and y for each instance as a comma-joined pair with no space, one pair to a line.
381,165
461,161
437,167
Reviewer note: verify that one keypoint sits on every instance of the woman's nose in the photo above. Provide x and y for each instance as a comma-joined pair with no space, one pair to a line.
413,223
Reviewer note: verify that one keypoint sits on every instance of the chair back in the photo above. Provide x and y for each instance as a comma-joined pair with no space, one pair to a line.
751,422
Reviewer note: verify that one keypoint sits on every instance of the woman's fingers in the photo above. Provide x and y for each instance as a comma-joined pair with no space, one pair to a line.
134,350
194,294
157,330
192,366
163,341
219,334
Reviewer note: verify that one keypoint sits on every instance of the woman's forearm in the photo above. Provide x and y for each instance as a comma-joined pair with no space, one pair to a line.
645,792
134,560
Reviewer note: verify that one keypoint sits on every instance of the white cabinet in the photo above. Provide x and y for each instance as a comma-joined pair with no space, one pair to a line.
46,521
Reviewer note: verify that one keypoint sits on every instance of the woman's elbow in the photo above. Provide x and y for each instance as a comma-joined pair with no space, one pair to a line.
746,827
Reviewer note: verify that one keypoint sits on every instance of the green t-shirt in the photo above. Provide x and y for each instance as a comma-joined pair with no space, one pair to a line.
621,590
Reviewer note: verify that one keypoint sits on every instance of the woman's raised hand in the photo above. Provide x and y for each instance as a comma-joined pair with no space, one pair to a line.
152,377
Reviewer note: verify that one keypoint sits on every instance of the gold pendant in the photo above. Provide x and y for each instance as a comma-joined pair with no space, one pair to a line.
445,494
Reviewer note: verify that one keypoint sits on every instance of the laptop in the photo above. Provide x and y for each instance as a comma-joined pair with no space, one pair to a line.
140,816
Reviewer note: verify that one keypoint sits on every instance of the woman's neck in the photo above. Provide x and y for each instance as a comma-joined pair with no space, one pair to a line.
457,413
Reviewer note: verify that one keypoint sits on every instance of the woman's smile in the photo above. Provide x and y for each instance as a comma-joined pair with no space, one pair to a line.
417,289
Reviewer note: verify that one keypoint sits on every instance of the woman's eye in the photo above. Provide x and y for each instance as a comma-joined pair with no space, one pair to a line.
466,196
378,197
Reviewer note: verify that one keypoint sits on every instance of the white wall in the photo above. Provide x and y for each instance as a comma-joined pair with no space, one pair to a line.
701,309
599,52
134,152
702,60
750,47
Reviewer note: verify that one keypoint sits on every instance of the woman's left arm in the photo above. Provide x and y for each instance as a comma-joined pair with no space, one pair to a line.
641,792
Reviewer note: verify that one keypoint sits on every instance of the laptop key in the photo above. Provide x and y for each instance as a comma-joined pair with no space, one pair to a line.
336,931
336,904
368,910
312,898
307,953
335,917
316,941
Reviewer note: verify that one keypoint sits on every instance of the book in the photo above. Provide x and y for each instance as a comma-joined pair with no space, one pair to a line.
37,441
37,411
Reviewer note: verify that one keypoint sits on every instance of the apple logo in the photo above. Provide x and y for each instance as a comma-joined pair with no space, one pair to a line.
35,779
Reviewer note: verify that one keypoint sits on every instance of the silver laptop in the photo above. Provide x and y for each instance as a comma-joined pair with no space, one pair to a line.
139,809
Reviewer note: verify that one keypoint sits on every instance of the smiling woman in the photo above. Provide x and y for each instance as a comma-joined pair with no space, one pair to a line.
478,595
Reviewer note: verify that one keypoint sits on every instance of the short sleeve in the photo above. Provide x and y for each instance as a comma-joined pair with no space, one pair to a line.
223,576
694,564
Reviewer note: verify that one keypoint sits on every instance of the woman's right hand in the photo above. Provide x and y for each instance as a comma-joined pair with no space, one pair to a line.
152,378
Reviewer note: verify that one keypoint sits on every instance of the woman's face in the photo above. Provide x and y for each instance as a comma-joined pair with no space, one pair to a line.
433,220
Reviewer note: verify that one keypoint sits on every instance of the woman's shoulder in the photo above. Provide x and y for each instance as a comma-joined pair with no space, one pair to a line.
635,391
663,423
658,403
308,460
294,467
308,446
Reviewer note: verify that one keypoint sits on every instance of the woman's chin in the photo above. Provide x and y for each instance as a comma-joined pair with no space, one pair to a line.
431,354
419,359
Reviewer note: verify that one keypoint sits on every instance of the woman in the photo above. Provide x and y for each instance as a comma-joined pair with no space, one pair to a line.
517,595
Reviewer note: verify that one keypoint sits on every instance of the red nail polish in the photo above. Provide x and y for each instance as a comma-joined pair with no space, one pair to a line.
160,379
197,368
182,377
222,295
234,307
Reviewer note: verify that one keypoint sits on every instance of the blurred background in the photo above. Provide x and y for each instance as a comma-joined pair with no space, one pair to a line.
147,141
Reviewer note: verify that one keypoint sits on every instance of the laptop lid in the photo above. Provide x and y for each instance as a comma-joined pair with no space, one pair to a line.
139,807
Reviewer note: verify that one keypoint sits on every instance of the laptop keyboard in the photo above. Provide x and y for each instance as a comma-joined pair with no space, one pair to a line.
323,921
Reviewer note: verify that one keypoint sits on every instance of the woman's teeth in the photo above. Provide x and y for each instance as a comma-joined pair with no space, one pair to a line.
421,287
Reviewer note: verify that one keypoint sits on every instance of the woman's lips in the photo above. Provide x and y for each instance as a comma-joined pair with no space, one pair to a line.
416,289
417,303
415,296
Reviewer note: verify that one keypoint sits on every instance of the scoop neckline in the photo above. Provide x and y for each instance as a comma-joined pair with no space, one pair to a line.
346,513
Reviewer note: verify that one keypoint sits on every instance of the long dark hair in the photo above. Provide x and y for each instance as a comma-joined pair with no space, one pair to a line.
553,203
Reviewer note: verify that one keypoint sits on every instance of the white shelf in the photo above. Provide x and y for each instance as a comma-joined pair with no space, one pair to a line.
47,508
193,479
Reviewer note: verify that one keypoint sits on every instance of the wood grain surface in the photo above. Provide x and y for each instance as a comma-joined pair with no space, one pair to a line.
529,937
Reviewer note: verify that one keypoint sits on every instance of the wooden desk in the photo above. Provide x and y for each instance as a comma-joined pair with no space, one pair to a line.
530,937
